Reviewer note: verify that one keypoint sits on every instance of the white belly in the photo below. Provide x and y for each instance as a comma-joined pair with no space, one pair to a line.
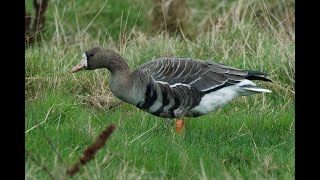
216,99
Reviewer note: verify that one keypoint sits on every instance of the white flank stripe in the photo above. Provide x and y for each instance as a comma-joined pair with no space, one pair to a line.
258,89
179,84
162,82
210,88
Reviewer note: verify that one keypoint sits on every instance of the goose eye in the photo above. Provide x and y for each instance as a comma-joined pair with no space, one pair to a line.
91,55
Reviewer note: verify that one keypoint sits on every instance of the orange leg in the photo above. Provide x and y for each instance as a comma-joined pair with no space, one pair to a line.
179,125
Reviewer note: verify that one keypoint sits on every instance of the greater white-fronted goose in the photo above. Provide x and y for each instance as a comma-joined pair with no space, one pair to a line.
173,87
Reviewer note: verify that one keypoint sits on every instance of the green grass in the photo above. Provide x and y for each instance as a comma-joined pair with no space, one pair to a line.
250,138
236,141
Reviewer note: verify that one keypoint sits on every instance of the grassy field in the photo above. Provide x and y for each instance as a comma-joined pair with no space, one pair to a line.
250,138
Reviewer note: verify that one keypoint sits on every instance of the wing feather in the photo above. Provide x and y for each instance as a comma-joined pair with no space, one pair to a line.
200,74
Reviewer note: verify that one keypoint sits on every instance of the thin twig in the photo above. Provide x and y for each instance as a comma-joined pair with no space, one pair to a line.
46,118
142,134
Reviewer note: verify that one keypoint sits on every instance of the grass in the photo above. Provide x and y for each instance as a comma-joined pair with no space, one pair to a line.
250,138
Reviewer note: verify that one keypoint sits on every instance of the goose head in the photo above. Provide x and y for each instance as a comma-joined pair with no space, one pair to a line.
99,57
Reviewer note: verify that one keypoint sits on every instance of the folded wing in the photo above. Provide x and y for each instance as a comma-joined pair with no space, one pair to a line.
202,75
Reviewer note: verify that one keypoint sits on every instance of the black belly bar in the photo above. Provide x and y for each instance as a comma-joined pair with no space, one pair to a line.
184,98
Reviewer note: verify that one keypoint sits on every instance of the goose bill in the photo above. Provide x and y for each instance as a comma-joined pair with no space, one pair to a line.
77,68
82,65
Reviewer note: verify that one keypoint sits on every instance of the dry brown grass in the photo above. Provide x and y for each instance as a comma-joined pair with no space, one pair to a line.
169,15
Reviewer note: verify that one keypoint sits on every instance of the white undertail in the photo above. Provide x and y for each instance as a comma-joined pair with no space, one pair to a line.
217,99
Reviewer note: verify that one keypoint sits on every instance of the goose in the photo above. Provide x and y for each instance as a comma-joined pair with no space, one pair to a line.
172,87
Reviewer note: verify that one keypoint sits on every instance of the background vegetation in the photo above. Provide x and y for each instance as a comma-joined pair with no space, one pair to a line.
250,138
